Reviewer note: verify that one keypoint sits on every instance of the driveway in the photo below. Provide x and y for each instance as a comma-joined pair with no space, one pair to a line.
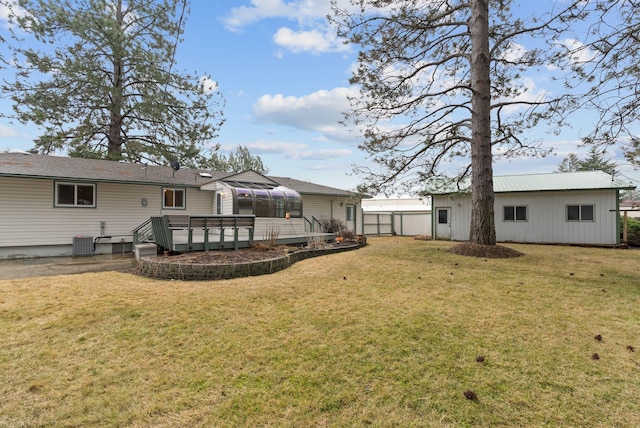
46,266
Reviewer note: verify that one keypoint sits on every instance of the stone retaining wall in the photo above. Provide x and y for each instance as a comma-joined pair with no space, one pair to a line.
165,269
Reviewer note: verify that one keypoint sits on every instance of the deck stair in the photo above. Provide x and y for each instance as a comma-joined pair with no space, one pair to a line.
184,233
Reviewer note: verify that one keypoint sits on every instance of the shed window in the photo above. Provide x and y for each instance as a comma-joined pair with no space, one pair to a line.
515,213
173,198
75,195
580,212
443,216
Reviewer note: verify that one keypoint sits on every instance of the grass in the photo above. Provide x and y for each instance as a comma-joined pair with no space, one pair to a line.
386,335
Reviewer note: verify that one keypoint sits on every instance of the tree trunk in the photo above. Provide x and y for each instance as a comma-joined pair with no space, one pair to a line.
483,229
114,135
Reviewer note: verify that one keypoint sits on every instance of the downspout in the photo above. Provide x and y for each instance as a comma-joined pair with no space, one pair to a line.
618,217
433,222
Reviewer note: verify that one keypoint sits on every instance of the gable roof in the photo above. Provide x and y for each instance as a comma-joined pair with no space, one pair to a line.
558,181
65,168
307,188
57,167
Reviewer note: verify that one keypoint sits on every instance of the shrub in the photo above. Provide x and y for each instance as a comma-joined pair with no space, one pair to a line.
338,227
633,230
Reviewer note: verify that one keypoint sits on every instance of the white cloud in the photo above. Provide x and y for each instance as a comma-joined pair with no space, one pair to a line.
314,41
208,85
293,151
9,9
263,147
529,94
325,154
312,33
7,132
320,111
297,10
578,52
514,52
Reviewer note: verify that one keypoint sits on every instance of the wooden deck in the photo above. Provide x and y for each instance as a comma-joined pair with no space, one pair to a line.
184,233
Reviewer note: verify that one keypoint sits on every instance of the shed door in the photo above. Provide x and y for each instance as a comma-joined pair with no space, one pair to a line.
443,223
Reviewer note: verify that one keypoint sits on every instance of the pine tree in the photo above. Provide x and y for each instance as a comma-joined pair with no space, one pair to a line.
441,83
98,77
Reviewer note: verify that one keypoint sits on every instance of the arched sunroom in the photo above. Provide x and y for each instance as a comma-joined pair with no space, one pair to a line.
261,199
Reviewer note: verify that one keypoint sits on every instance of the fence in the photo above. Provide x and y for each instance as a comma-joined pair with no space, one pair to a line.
407,223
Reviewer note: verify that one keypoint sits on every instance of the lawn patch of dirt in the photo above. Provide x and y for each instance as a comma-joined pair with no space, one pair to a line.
488,251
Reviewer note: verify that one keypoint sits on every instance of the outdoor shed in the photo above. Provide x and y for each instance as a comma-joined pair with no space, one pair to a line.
559,208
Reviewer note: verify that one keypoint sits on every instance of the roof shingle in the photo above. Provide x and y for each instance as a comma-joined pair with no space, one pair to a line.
57,167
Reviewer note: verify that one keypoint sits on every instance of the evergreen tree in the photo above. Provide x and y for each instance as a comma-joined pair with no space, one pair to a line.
595,161
442,80
239,161
99,79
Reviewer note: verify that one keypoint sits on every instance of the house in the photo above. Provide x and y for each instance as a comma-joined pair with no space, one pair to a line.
563,208
47,201
397,216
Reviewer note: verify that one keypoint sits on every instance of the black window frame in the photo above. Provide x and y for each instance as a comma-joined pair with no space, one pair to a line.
580,212
442,220
513,213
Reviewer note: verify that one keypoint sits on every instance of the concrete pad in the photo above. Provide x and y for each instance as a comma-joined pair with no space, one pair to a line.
47,266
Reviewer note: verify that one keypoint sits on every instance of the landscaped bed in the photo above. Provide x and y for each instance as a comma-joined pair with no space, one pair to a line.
227,264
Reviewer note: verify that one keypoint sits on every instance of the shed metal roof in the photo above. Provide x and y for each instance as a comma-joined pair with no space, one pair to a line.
557,181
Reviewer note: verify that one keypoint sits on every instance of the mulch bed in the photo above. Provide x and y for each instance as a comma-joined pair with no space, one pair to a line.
243,255
487,251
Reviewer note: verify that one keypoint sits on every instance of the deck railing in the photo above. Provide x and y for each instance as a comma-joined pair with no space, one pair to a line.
143,233
312,225
165,226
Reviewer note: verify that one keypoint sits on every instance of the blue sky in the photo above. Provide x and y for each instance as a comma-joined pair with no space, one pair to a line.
285,78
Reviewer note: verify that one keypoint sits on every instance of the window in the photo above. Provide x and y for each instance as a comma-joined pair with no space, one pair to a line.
75,195
265,200
173,198
580,213
277,204
515,213
443,216
262,203
351,212
244,199
294,204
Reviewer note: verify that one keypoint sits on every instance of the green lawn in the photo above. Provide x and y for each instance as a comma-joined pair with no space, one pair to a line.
386,335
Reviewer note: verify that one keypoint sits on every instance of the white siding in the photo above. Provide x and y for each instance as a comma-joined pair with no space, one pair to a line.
546,217
28,216
329,207
317,206
281,226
